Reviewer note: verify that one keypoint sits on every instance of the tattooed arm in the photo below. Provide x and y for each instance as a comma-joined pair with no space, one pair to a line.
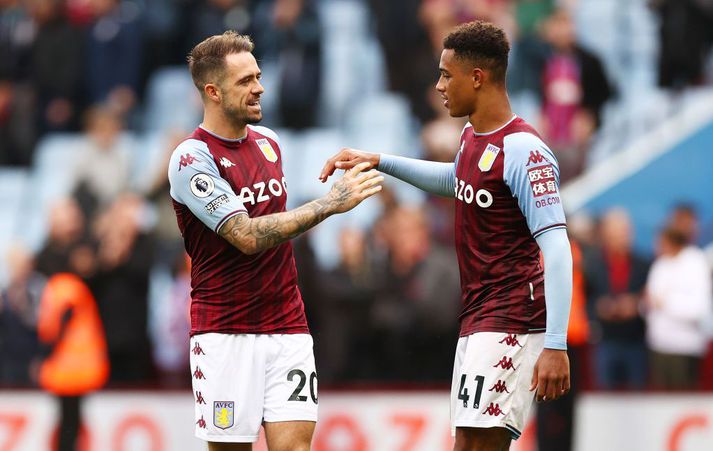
253,235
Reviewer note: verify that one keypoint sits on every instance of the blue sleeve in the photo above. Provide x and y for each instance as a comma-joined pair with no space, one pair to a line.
196,183
434,177
530,170
557,254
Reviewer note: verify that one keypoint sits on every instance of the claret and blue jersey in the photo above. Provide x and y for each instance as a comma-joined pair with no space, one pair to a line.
507,194
213,179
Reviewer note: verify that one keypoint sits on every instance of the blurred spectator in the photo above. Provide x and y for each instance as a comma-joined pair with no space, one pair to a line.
678,295
55,67
409,55
121,284
290,31
67,247
341,350
170,337
684,219
114,44
556,419
615,280
574,89
685,40
19,302
101,167
415,311
77,364
211,17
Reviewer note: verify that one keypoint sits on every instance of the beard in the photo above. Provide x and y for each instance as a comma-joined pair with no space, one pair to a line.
241,114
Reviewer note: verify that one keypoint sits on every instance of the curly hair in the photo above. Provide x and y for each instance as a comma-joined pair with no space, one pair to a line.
206,61
482,44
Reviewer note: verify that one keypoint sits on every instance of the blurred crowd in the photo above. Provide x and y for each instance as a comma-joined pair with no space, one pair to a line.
388,311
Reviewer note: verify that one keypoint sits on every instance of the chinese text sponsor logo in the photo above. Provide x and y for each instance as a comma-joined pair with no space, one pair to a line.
542,180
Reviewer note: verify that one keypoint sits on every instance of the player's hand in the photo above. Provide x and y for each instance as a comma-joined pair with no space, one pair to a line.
347,159
354,186
551,375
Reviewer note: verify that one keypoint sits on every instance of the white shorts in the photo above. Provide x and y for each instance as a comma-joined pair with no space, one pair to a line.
491,380
239,381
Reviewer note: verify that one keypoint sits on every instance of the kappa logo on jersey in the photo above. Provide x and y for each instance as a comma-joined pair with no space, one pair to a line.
186,160
202,185
488,158
216,203
542,180
257,193
223,414
226,163
536,158
266,149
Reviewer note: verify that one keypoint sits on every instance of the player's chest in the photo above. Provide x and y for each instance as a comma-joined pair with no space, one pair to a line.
479,173
255,175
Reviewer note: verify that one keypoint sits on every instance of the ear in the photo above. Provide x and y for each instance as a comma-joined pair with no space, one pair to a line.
212,92
478,76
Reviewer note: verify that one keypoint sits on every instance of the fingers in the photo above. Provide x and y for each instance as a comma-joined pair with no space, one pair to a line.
370,191
533,382
331,165
354,171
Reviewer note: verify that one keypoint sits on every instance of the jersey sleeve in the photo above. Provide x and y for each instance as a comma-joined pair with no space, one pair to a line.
530,170
196,183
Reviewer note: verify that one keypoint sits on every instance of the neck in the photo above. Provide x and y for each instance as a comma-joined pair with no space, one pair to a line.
492,112
223,127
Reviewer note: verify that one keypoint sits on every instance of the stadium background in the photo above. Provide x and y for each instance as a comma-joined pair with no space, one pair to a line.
94,94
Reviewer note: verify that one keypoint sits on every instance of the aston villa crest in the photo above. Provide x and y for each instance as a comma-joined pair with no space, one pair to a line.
223,414
266,149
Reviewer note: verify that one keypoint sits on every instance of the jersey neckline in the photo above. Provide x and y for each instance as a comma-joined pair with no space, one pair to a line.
514,116
226,140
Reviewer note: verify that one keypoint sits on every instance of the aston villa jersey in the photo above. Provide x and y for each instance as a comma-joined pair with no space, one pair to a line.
507,193
213,179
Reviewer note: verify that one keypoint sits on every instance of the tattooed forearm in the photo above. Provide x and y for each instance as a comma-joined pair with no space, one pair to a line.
253,235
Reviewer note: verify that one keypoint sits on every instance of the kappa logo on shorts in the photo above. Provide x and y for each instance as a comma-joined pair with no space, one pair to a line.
511,340
223,414
199,398
197,350
198,374
500,387
493,410
201,423
505,363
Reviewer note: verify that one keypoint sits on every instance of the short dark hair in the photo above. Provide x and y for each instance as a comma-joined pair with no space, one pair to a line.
482,44
206,61
675,237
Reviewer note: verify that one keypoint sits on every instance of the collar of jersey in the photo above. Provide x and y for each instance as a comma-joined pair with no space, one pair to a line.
514,116
233,141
